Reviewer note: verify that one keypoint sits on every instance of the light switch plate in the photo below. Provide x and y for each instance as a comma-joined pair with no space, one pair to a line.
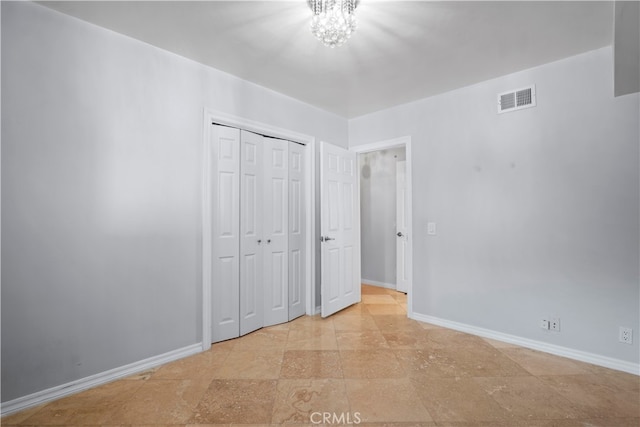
431,228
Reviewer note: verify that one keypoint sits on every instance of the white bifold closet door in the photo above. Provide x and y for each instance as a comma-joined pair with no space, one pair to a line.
276,231
258,231
297,234
251,233
225,233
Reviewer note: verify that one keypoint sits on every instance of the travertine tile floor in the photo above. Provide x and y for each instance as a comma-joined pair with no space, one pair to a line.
367,365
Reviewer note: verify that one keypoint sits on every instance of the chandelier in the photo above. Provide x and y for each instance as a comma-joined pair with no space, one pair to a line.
333,21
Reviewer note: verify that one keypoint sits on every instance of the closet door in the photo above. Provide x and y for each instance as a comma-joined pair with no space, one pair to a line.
297,227
251,236
225,245
276,212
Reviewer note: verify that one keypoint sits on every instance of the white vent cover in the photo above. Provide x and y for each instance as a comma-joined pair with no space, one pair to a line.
517,99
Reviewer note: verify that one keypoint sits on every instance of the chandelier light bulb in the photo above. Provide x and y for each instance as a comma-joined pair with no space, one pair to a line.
333,21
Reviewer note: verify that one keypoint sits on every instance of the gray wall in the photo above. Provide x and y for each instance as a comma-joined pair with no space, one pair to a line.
378,214
537,210
101,194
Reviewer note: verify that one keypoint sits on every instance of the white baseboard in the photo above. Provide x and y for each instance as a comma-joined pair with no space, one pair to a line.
376,283
76,386
583,356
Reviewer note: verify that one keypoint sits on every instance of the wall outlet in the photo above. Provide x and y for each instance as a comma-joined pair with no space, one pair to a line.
554,324
626,335
544,324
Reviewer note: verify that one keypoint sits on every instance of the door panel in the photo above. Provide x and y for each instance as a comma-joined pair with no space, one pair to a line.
349,285
333,225
225,211
278,268
297,228
275,219
334,282
348,192
251,234
340,250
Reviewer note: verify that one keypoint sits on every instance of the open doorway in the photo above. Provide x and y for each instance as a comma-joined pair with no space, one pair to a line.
385,214
379,222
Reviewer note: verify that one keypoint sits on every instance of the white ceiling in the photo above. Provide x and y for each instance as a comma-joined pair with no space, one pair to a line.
402,50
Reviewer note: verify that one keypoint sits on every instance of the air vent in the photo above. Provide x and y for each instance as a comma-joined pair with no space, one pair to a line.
517,99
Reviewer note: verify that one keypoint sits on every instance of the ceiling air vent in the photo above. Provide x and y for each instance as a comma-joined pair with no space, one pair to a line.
517,99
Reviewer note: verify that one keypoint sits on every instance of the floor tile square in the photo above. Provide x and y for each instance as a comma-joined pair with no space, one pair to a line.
370,364
302,364
304,401
405,339
236,402
484,361
306,340
251,364
458,399
529,398
596,396
161,402
359,340
398,322
429,363
354,322
392,400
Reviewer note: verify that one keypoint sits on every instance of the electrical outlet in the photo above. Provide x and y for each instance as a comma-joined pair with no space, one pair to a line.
554,324
544,324
626,335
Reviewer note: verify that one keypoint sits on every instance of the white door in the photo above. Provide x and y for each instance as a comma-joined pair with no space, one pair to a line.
402,281
275,215
225,245
251,234
297,227
340,229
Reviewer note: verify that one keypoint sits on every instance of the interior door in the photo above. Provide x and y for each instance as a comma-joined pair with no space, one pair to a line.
251,233
297,227
225,247
340,229
402,281
275,215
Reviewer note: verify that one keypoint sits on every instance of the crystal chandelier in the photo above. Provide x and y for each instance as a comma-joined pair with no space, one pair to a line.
333,21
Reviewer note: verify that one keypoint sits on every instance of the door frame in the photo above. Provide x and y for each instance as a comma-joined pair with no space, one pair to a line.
210,117
401,211
404,141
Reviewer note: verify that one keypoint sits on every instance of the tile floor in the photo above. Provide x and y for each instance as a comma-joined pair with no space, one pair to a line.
368,365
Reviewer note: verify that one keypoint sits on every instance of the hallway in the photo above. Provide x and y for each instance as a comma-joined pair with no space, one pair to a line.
367,365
